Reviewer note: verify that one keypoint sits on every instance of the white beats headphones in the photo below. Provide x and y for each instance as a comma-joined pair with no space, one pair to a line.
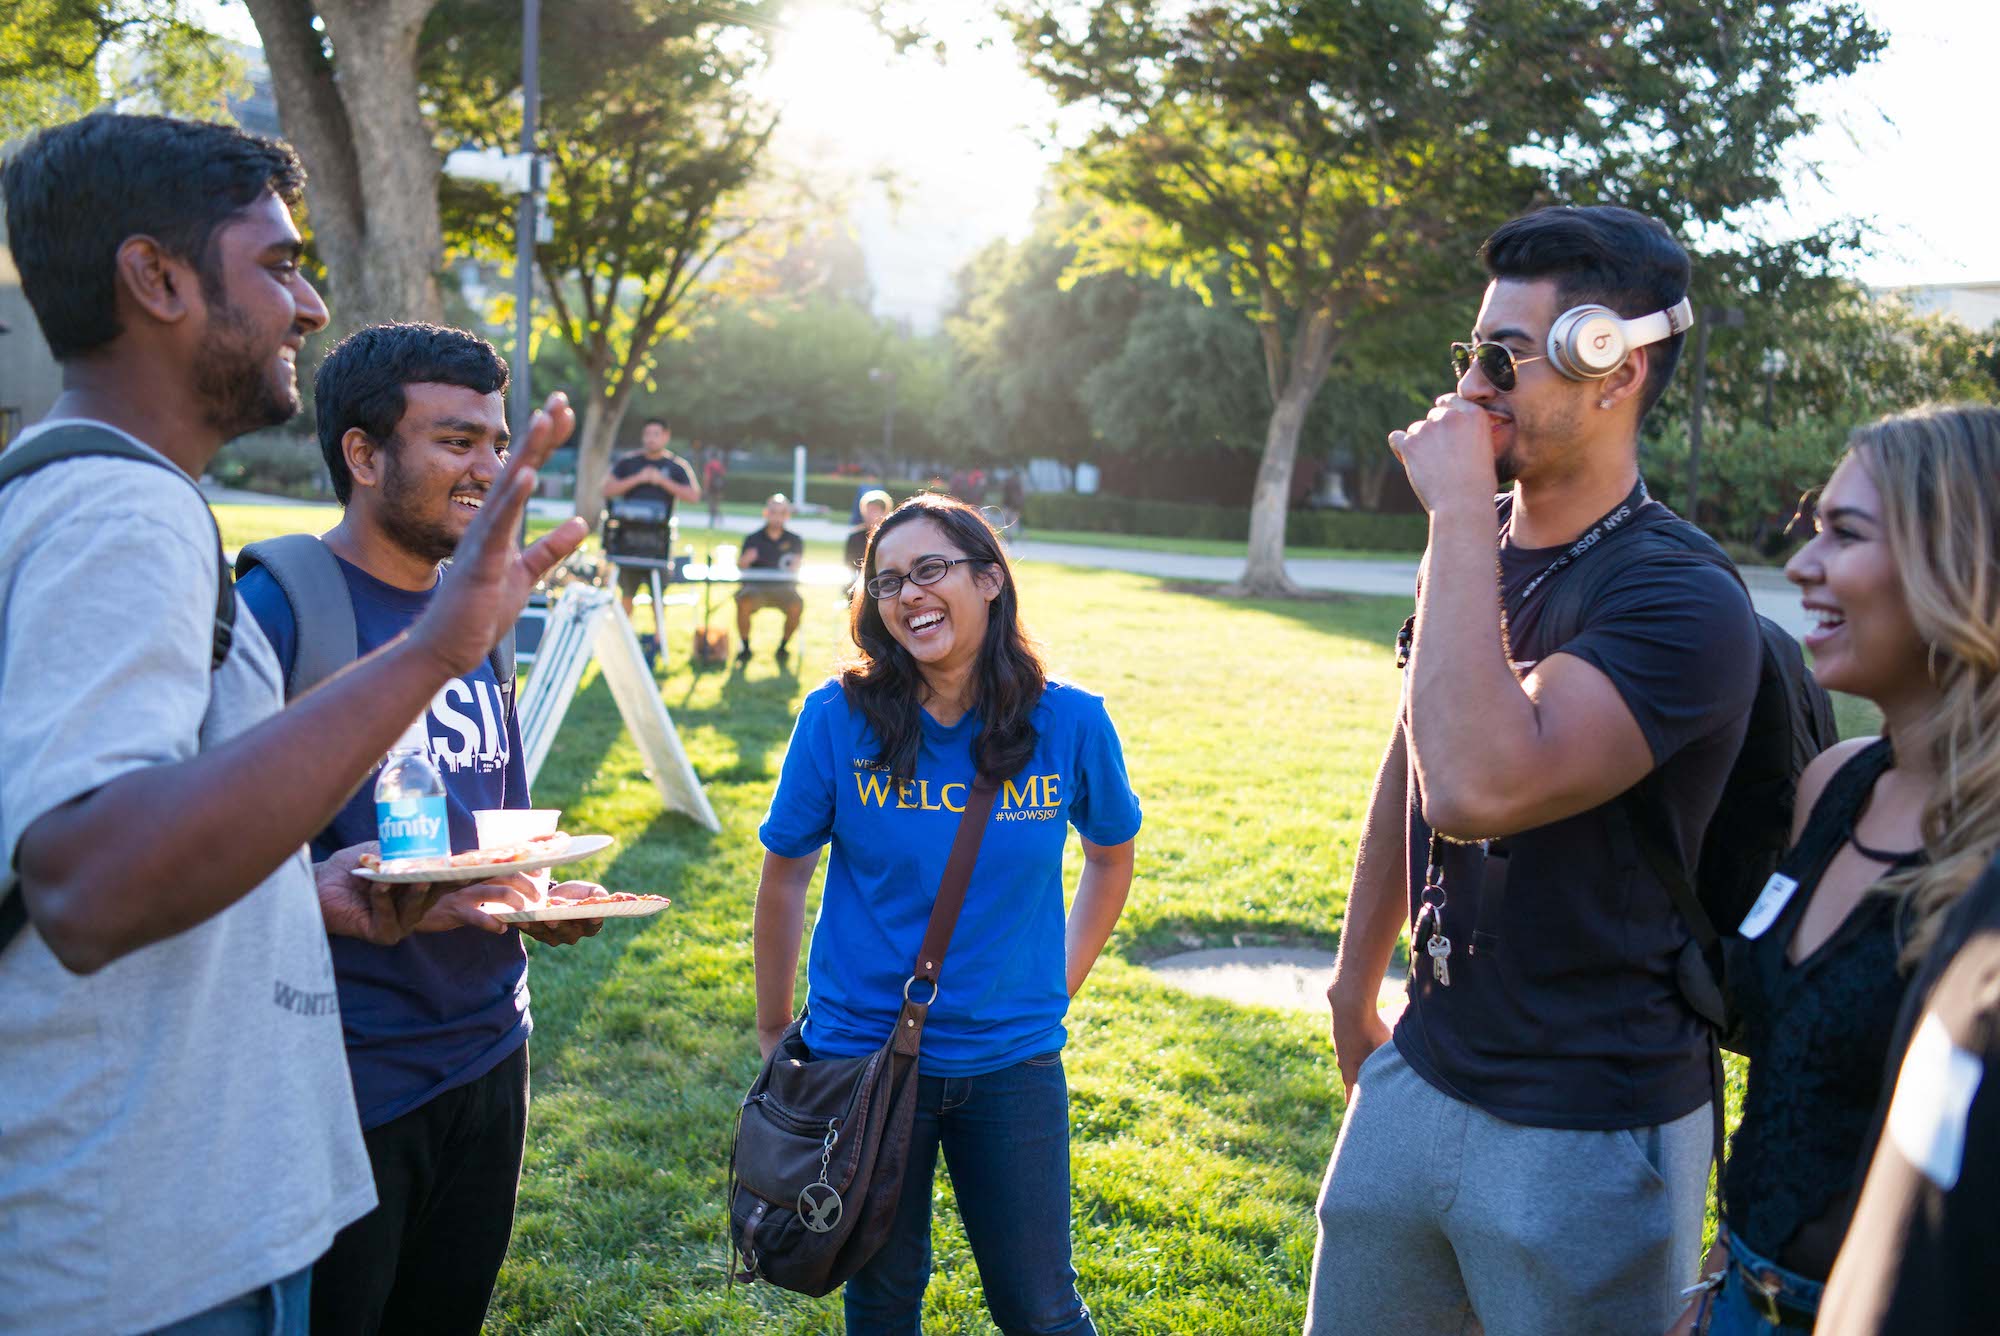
1591,342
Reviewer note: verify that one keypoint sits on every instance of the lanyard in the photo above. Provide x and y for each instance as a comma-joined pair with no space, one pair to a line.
1428,930
1590,537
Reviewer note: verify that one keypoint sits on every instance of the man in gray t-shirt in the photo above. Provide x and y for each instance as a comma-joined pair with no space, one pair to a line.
177,1129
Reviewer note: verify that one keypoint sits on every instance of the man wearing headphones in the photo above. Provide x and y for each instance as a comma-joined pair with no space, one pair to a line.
1530,1148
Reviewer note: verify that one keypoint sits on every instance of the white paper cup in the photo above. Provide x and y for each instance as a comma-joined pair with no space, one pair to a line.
502,826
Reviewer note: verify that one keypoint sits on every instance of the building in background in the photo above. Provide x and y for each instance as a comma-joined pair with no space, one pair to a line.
1975,305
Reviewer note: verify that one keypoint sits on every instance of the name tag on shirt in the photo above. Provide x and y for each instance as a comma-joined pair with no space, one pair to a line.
1933,1097
1771,902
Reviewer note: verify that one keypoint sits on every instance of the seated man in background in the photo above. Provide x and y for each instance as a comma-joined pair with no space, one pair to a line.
413,425
771,548
874,507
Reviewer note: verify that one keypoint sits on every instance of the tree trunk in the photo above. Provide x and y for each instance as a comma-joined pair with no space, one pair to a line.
1270,500
371,169
595,435
1371,478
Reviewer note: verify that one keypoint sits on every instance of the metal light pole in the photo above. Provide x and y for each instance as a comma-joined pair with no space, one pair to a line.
1772,366
523,407
882,376
1728,317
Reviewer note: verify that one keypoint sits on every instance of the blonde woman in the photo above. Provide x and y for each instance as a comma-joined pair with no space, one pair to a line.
1902,584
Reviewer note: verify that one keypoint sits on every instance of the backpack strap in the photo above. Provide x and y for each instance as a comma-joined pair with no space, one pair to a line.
309,575
78,441
75,442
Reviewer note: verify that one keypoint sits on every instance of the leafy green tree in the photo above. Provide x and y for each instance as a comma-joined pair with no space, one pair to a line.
62,58
1023,341
779,373
1339,160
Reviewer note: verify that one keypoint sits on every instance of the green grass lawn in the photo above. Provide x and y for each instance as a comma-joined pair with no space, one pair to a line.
1200,1128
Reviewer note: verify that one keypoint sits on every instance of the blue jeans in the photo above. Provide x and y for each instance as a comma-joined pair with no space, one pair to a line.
1734,1311
1005,1137
281,1308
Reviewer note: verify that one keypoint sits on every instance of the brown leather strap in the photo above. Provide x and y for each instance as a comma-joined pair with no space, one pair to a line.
957,878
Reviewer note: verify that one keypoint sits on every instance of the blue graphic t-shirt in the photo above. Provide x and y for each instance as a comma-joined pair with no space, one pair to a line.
1002,991
439,1009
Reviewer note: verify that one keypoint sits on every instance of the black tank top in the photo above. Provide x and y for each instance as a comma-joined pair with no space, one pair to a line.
1818,1034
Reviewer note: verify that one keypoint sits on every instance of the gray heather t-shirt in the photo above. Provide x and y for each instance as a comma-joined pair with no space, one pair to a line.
177,1128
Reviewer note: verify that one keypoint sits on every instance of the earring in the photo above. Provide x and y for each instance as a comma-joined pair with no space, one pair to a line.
1604,403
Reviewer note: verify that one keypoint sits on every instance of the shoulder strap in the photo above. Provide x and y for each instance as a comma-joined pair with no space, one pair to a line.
73,442
1831,820
322,609
944,914
957,877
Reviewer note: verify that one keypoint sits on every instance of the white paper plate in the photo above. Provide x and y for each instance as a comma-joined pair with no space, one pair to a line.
580,846
556,913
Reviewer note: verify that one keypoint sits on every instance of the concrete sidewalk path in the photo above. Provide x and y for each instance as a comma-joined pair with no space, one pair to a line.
1769,590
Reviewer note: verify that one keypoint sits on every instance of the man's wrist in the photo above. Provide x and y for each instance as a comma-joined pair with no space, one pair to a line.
1461,511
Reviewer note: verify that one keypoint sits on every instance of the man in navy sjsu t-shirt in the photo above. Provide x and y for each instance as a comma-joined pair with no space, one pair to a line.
412,423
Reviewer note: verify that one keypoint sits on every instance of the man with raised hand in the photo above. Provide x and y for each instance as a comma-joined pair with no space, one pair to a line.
178,1139
1530,1149
413,426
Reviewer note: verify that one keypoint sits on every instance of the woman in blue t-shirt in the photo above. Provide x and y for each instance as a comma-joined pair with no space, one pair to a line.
946,686
1889,832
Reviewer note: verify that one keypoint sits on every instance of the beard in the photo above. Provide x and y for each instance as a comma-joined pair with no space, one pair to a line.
232,376
403,513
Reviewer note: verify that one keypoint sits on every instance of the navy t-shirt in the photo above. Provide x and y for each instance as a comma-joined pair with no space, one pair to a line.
1002,990
439,1009
1563,1009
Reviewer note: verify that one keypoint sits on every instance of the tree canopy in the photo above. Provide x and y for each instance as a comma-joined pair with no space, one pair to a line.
1339,161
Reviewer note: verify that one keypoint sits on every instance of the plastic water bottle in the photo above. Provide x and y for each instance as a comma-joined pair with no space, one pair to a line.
410,817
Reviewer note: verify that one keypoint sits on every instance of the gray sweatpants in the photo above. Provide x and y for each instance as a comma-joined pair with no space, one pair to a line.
1437,1217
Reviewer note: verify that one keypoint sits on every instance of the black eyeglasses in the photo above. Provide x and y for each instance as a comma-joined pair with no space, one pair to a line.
926,571
1496,362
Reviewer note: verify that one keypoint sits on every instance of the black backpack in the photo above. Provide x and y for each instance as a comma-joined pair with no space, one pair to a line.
1791,722
70,443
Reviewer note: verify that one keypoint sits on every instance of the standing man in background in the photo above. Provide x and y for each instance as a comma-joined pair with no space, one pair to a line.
654,477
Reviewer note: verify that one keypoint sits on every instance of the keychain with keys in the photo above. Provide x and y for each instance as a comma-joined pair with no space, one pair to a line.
1429,927
1440,952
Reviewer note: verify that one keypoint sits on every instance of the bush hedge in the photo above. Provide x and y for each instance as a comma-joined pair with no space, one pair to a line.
278,463
1352,529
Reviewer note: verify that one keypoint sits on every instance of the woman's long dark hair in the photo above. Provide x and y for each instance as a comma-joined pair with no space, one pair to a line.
886,685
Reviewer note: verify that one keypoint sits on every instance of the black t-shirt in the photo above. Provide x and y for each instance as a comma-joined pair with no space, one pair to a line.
1563,1010
1923,1253
649,491
765,553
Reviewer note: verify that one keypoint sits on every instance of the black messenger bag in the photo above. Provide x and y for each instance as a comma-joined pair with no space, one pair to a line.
821,1143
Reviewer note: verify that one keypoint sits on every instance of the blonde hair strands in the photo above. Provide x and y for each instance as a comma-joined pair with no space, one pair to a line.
1938,472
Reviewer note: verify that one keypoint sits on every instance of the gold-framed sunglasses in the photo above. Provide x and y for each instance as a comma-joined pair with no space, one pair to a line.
1496,362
